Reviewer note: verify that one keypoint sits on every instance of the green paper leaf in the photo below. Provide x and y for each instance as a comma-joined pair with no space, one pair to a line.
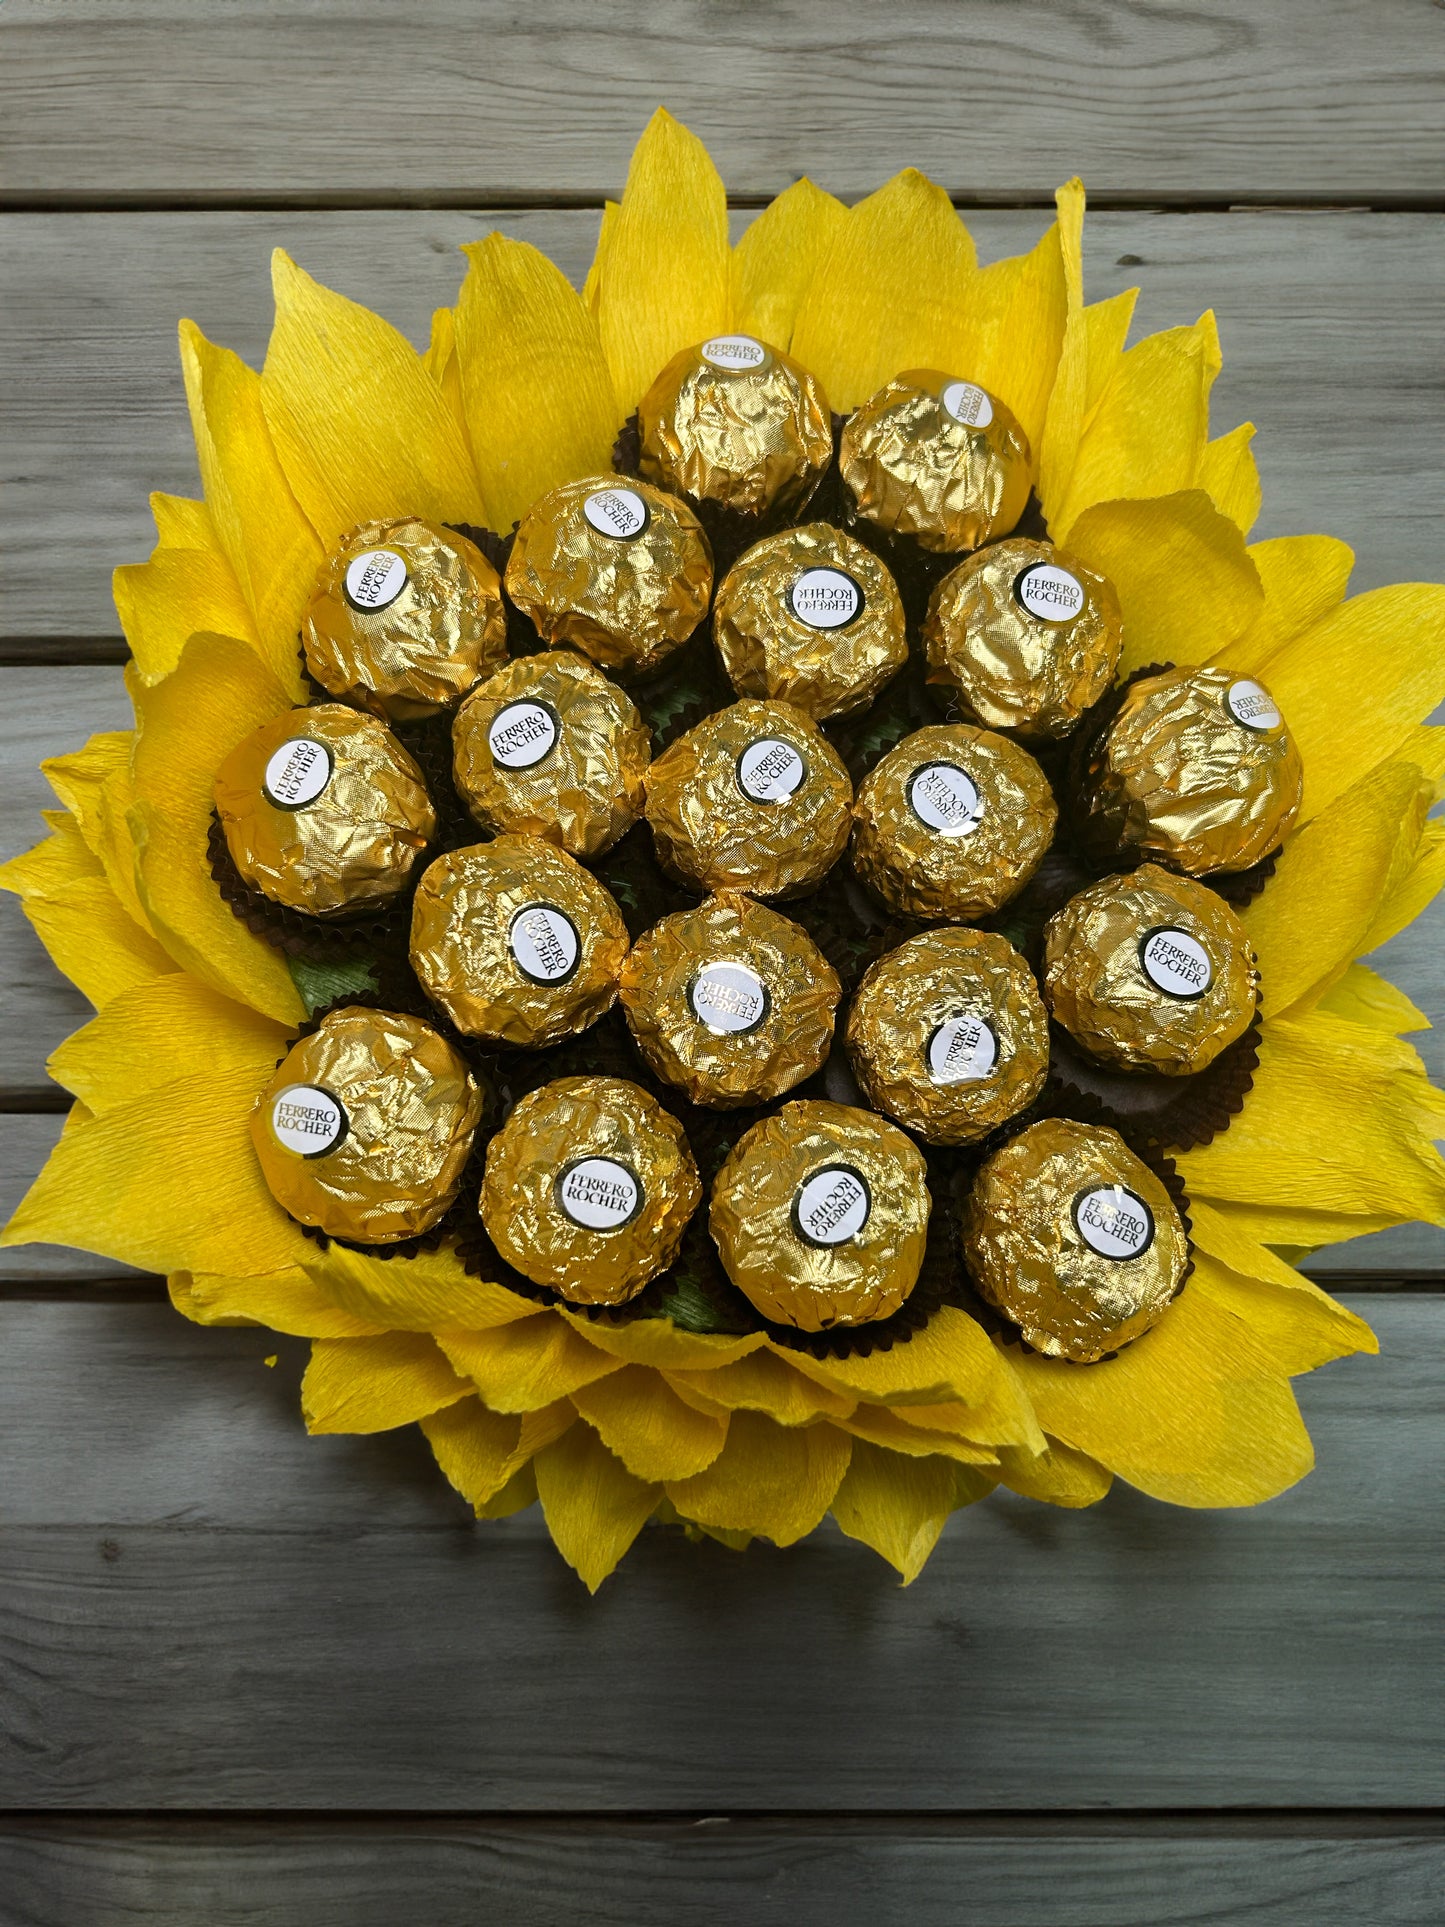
322,984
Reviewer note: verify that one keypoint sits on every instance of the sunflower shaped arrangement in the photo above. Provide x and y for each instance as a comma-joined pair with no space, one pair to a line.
739,892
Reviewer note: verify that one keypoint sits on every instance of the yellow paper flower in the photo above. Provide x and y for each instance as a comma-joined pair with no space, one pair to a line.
522,388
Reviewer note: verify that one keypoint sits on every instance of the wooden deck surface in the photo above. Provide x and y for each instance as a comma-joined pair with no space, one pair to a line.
249,1677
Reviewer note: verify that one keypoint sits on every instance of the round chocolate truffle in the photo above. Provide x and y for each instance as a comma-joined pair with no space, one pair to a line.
948,1034
365,1128
516,942
810,617
736,423
548,747
324,811
614,568
820,1215
754,798
1074,1239
588,1189
405,617
952,823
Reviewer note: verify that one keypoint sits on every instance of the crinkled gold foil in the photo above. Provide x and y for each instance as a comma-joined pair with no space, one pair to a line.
1040,1210
810,617
387,1110
324,811
588,1189
948,1034
516,942
614,568
404,645
1027,634
952,823
754,798
1150,972
548,747
736,423
913,467
1178,777
730,1002
806,1176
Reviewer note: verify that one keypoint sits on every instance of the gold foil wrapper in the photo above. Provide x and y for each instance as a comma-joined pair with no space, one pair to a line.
614,568
938,459
952,823
820,1215
736,423
548,747
948,1034
324,811
404,619
812,618
365,1129
1198,770
1074,1239
754,798
516,942
1150,972
589,1187
730,1002
1027,634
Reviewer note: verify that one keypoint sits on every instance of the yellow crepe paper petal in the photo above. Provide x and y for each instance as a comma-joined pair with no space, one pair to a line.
182,523
179,593
1013,329
475,1448
657,1341
1299,1325
284,1301
376,1384
592,285
655,1433
764,1382
897,1506
882,1426
55,864
1092,348
156,1033
426,1293
534,381
1363,996
1413,891
771,1480
593,1506
1060,1476
524,1366
94,784
361,429
516,1495
83,924
1304,578
665,277
779,254
1229,475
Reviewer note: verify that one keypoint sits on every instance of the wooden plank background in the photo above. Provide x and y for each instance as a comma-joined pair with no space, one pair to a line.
250,1676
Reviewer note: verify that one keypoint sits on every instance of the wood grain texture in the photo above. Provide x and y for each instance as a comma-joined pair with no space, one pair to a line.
1237,100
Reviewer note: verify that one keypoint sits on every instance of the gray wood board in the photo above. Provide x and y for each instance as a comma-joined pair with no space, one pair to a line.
266,1642
1328,322
1239,100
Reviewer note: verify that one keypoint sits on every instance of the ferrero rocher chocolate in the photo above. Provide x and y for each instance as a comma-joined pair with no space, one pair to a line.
405,617
516,942
754,798
548,747
1150,972
324,811
588,1189
730,1002
810,617
1198,770
365,1128
736,423
951,823
1074,1239
820,1215
1028,635
938,459
948,1034
615,568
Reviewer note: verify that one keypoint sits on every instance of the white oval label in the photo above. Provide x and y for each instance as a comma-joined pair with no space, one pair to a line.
770,770
375,579
544,943
522,733
1252,705
1114,1221
297,773
599,1193
832,1205
962,1050
825,598
1176,963
307,1120
618,512
729,998
968,403
946,798
735,354
1050,593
